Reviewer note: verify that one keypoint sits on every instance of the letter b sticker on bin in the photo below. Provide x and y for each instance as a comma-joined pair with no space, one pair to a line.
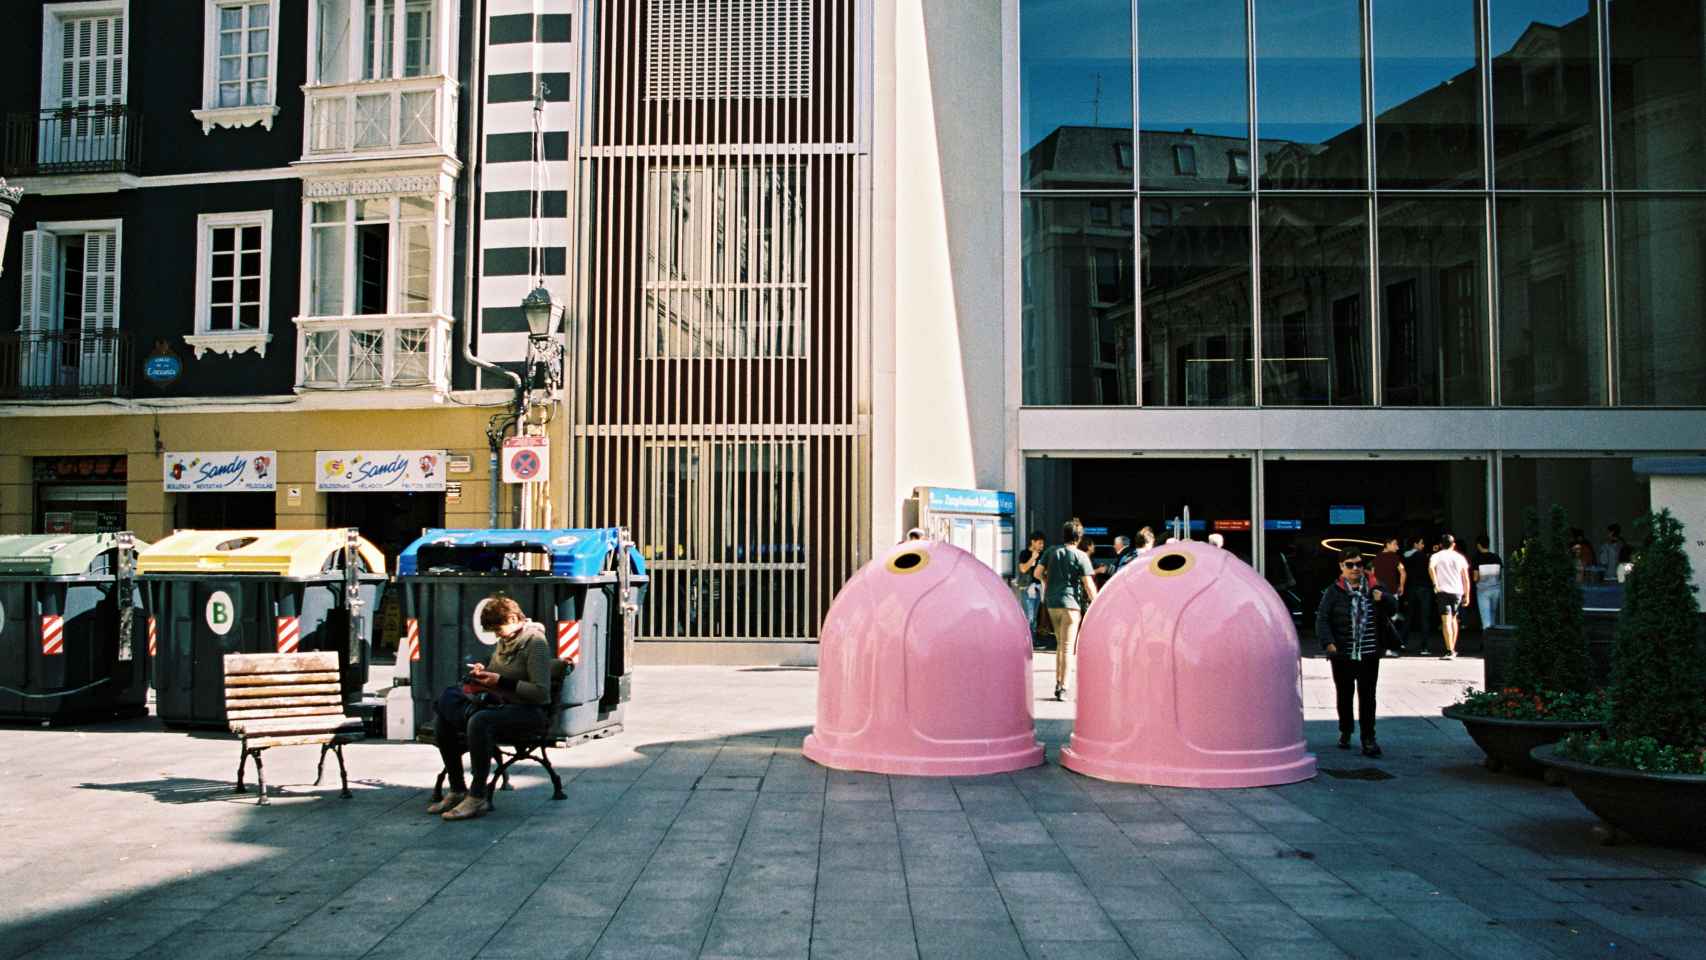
221,612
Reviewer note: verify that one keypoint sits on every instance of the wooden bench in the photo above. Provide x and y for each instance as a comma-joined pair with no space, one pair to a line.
287,700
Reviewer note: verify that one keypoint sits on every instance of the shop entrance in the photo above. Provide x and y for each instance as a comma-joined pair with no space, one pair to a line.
391,521
1120,497
80,494
1314,508
225,511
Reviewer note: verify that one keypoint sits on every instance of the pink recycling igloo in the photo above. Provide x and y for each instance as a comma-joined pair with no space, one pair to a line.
1188,677
925,669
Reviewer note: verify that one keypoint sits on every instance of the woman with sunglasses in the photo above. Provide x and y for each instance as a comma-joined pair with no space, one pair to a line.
1354,624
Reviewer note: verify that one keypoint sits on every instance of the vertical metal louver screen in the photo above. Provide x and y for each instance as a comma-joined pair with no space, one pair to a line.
720,403
698,49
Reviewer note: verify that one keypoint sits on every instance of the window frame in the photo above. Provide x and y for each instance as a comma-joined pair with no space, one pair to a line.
211,113
389,52
396,256
53,17
230,342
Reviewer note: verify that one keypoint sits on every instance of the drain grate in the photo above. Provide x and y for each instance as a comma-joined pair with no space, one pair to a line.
1357,773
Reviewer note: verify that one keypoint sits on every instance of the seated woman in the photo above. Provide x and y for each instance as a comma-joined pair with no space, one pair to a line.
505,697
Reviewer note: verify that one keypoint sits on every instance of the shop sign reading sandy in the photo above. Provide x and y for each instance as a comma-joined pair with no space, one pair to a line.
224,472
375,471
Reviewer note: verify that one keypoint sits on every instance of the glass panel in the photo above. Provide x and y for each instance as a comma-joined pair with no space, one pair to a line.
257,41
1551,301
1316,321
366,356
1433,272
330,132
1602,496
372,266
373,209
1427,94
1661,260
250,290
219,317
230,94
330,211
1309,85
230,68
1197,319
251,238
417,33
230,18
224,238
410,362
373,121
1194,90
319,357
1079,346
1656,77
257,92
326,293
1075,93
419,118
417,268
332,41
259,15
222,292
250,316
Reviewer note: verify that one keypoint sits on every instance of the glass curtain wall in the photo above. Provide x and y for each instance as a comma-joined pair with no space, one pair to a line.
1401,203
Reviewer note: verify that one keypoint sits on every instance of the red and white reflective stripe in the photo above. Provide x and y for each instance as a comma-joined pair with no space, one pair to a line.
153,636
52,635
569,640
289,634
412,639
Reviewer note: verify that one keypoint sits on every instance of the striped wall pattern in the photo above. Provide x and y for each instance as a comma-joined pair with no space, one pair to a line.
526,41
719,403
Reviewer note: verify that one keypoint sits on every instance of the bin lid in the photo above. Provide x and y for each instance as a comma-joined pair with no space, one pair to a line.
573,553
54,554
287,553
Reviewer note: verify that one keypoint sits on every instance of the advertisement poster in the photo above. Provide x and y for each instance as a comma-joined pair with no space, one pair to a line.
397,471
225,472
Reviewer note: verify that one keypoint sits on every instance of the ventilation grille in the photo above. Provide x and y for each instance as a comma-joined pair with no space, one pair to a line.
728,49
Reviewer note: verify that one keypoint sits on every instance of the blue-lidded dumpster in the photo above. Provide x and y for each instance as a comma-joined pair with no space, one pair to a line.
584,586
214,592
71,643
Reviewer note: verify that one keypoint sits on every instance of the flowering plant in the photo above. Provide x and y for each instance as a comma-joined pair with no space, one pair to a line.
1517,703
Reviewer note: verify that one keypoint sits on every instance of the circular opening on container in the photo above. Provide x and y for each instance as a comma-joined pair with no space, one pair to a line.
237,543
911,561
1172,564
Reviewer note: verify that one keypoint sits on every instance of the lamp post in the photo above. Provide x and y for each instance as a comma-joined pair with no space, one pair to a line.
9,197
543,378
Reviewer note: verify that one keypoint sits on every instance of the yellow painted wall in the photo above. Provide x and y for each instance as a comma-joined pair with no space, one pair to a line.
295,435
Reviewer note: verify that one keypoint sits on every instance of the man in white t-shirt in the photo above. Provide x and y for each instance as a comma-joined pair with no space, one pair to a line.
1449,571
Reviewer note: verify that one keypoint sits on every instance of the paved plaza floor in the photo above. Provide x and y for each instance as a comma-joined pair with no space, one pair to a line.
702,832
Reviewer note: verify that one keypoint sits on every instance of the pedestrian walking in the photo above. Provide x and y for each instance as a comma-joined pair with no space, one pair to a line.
1353,623
1145,541
1389,571
1030,588
1613,553
1488,575
1124,552
1449,571
1418,596
1069,587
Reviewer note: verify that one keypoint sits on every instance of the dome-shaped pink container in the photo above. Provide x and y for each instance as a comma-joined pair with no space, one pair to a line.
924,669
1188,676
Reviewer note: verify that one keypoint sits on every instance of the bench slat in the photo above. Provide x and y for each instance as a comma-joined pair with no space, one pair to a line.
317,660
327,710
263,703
286,690
265,679
262,743
296,725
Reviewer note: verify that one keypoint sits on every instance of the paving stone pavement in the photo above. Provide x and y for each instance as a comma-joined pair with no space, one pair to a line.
702,832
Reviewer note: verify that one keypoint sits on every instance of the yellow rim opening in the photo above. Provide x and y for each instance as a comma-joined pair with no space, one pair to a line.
910,561
1173,563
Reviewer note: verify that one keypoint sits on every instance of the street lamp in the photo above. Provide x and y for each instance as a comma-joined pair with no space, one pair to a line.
9,197
540,311
544,353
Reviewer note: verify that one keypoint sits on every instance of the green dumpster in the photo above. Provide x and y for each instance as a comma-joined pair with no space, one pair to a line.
214,592
71,646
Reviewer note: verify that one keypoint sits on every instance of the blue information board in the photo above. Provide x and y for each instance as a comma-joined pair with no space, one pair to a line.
1347,516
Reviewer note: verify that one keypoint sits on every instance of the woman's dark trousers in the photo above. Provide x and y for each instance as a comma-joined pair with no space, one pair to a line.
456,732
1356,679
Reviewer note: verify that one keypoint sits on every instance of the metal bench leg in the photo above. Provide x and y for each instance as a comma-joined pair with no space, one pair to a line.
501,769
260,779
556,781
320,771
342,774
242,767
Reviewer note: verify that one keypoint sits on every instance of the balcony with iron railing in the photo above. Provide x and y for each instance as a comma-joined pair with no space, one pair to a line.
64,366
394,117
99,138
394,351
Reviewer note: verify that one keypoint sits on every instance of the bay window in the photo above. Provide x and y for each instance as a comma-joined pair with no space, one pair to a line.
377,77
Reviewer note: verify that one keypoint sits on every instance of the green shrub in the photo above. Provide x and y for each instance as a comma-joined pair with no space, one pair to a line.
1546,610
1659,678
1638,753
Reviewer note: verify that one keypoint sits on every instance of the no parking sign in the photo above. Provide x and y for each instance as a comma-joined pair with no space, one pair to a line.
526,460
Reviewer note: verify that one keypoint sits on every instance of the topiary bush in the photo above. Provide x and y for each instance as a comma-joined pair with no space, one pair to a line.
1658,682
1546,610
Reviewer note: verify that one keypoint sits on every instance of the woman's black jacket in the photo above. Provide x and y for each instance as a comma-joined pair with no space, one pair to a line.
1333,618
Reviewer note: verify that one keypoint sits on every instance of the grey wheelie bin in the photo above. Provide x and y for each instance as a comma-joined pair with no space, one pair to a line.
214,592
584,586
72,645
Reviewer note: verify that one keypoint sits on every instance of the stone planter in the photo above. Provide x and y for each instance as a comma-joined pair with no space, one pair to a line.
1663,808
1509,743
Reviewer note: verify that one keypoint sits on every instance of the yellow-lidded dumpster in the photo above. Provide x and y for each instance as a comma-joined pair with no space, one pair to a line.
214,592
70,644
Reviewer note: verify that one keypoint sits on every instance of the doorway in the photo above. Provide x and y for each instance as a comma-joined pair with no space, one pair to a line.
1115,497
225,511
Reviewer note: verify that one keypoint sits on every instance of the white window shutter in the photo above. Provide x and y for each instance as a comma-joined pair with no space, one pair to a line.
100,307
36,314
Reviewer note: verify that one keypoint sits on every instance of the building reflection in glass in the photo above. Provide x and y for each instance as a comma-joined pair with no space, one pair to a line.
1079,316
1545,94
1075,71
1315,316
1197,303
1194,82
1433,288
1661,258
1551,301
1309,87
1427,94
